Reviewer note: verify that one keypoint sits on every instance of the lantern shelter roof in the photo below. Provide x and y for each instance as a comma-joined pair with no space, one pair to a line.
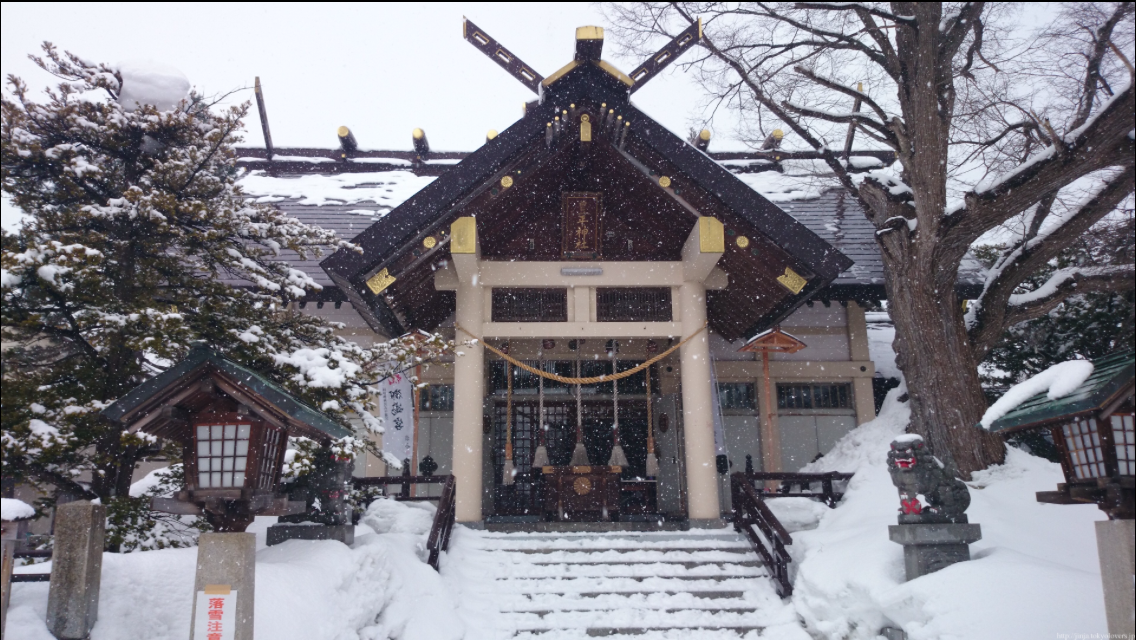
1111,382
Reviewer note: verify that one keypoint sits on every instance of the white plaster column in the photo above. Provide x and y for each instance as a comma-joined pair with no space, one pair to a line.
858,351
469,371
700,253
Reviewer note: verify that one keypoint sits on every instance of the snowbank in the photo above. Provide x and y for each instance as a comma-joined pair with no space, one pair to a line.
1035,573
148,82
12,509
1057,381
305,590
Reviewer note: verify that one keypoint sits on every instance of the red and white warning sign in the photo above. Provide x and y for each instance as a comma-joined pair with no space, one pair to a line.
216,614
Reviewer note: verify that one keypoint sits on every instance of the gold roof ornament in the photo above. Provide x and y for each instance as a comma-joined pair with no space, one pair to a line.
792,281
380,281
711,235
743,242
463,235
429,242
664,181
507,181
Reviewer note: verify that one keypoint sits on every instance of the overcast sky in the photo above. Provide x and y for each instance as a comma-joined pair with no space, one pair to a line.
381,69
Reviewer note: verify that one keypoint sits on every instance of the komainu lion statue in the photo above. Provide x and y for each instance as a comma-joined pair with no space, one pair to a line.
915,472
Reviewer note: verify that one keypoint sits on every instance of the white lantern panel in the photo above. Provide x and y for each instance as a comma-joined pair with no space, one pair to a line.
222,452
1124,438
1082,440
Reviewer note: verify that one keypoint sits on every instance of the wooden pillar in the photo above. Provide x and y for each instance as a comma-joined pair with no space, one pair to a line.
770,430
469,372
858,350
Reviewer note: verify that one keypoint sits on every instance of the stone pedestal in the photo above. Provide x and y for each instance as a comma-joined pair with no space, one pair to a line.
226,563
930,547
1115,540
76,570
278,533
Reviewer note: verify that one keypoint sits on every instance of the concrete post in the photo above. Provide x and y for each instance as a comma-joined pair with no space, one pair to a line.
469,372
226,568
701,252
697,408
76,570
1115,539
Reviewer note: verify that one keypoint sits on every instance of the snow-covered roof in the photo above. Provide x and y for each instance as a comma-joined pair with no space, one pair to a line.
12,509
350,202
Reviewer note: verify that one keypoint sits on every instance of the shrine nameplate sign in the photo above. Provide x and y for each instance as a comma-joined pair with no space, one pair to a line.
582,223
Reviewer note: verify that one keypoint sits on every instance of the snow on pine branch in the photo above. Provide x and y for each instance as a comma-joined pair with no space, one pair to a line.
1056,382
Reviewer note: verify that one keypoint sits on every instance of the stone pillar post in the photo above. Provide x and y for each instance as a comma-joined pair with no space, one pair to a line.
226,571
469,372
9,562
1115,540
703,249
76,570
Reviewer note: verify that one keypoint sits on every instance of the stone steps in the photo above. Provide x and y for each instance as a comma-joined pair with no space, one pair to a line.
667,586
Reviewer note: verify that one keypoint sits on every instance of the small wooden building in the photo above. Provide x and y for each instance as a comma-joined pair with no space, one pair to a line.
1093,430
233,425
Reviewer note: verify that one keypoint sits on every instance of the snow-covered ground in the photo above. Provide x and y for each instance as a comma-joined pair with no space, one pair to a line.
1034,574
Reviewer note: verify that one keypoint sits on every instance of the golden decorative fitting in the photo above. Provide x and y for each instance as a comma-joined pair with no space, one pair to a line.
380,281
792,281
704,134
572,106
589,33
614,72
584,118
664,181
429,242
343,132
418,134
492,134
463,235
711,235
585,129
582,486
743,242
507,181
778,134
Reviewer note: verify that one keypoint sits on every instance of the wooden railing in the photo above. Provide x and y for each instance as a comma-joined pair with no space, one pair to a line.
769,538
32,577
803,482
439,539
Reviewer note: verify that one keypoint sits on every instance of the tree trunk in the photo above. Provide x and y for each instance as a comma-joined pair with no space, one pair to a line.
942,377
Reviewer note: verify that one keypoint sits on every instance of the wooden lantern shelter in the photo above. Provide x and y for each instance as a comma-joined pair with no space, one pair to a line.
233,425
765,343
1093,429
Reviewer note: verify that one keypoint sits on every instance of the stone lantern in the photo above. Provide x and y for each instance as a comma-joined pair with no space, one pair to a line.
1093,431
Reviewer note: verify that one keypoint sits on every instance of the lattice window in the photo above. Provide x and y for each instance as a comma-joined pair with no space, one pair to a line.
1124,437
1083,442
736,395
436,397
274,441
530,305
633,304
222,454
814,396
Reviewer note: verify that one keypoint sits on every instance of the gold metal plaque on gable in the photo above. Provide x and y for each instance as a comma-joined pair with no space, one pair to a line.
507,181
582,221
664,181
380,281
792,281
429,242
585,128
463,235
711,235
743,242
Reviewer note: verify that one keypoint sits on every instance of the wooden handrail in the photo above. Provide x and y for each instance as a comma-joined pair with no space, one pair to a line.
804,481
439,539
751,511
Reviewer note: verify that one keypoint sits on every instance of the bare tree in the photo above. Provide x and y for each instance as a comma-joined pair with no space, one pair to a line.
995,129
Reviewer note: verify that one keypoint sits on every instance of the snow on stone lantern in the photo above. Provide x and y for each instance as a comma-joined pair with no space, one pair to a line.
233,425
1087,410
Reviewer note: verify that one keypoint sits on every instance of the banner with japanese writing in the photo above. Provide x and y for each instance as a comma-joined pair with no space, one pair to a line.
216,614
398,417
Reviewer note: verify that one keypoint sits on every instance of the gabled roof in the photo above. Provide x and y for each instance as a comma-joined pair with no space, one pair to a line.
1111,380
431,209
201,361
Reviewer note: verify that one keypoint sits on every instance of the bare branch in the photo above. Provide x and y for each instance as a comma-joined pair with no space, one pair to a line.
1077,280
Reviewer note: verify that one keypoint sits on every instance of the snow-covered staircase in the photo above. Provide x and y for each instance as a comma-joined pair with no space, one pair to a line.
560,586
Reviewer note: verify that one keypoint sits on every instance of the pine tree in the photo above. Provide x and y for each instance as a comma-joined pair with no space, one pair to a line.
137,242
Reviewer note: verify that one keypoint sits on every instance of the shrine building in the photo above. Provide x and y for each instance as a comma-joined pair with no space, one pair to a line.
634,319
